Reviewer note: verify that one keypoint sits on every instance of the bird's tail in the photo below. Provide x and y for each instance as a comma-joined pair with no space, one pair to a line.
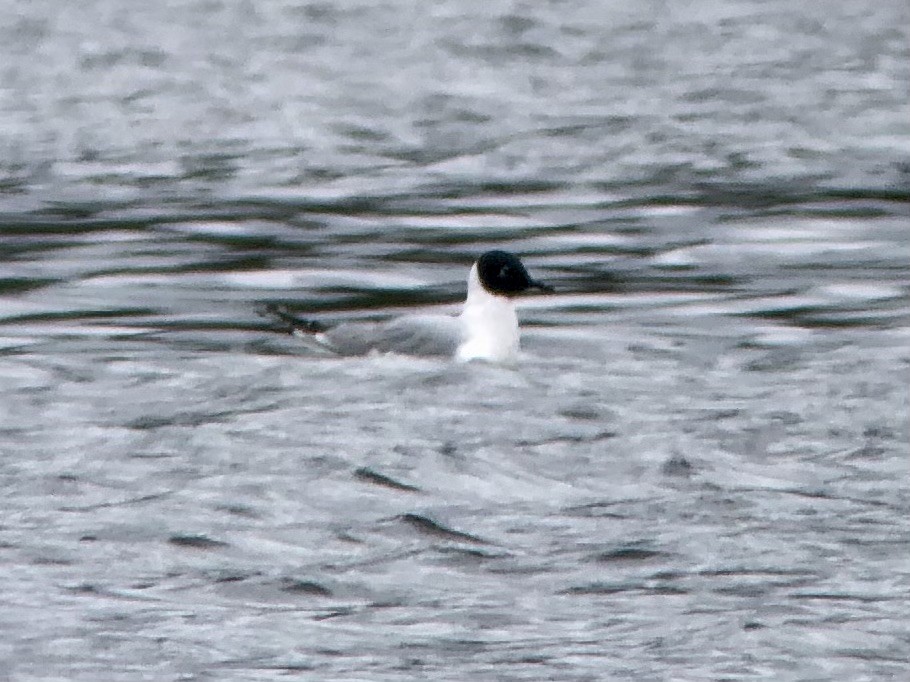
291,323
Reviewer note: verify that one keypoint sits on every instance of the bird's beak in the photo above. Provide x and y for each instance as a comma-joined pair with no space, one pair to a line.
537,284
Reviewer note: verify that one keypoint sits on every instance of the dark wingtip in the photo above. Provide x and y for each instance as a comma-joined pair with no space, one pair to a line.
291,321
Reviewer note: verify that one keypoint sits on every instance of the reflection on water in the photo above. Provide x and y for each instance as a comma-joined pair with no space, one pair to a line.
695,471
829,263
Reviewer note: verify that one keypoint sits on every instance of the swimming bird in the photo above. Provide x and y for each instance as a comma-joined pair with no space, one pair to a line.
486,329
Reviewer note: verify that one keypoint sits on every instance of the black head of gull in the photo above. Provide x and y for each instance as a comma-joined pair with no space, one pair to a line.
503,274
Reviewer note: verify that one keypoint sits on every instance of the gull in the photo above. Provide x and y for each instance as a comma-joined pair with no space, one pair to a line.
486,329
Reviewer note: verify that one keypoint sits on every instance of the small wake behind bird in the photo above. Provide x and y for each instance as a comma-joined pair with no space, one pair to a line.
486,328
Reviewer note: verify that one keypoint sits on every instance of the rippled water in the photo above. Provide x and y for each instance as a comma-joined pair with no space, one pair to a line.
697,471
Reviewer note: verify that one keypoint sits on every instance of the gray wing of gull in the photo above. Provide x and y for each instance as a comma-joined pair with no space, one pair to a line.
409,335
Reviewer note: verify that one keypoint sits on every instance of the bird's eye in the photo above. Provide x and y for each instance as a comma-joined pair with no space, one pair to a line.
504,273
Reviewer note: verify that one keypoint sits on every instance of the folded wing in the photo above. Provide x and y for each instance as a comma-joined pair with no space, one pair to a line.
425,335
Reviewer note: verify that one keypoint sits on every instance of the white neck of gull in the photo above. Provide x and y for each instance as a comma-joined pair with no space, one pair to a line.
490,325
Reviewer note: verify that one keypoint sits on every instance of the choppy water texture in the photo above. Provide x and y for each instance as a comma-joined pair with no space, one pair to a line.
697,471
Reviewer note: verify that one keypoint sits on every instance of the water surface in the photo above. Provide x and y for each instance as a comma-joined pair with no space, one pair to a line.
696,471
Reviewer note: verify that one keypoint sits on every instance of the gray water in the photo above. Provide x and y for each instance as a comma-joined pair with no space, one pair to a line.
697,470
